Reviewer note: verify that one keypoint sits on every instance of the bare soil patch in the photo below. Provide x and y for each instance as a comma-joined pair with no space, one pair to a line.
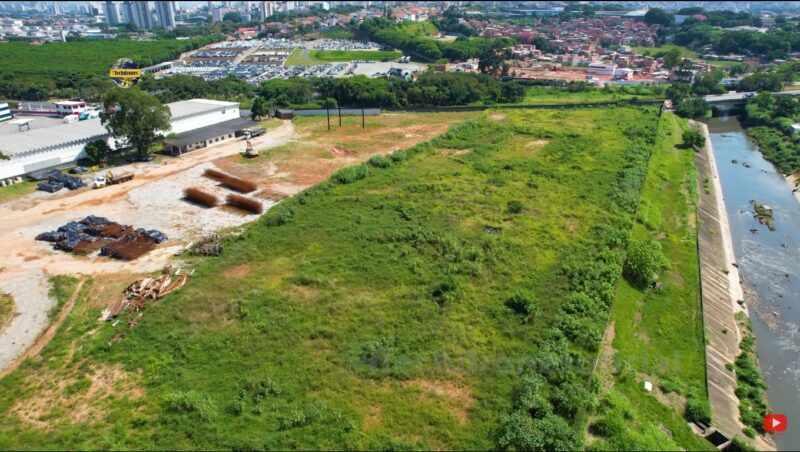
6,309
458,398
237,272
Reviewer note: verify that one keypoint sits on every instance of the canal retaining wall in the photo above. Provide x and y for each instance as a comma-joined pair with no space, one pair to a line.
721,290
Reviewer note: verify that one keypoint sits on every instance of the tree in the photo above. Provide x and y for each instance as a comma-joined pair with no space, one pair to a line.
260,108
692,107
673,57
657,16
134,116
232,17
97,151
643,262
693,139
329,102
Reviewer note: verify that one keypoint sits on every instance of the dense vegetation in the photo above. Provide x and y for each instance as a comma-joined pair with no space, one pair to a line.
713,30
414,40
750,386
430,89
441,297
769,119
181,87
656,334
78,69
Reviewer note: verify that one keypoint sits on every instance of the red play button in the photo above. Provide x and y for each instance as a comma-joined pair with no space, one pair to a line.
774,423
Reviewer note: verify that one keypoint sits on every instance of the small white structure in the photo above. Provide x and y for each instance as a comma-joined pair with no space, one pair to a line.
602,69
70,107
796,127
648,386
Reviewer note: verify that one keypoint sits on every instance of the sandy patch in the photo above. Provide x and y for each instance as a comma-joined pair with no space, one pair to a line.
237,272
458,398
81,397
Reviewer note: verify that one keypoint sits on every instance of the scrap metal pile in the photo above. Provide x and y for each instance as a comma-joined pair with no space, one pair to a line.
144,291
56,180
112,239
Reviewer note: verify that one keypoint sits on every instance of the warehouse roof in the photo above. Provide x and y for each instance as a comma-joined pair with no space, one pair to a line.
14,144
44,139
192,107
207,133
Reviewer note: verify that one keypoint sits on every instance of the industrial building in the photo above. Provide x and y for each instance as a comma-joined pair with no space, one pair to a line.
61,145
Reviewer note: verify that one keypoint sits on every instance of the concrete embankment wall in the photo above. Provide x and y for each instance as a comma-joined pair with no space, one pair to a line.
721,289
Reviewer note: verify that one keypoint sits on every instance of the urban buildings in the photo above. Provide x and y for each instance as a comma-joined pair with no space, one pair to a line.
165,11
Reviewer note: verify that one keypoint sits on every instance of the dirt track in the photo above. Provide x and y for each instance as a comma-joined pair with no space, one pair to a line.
151,200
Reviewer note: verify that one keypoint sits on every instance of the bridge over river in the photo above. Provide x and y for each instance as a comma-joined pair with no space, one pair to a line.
729,101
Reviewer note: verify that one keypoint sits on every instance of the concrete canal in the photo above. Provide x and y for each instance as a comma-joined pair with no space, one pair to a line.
769,262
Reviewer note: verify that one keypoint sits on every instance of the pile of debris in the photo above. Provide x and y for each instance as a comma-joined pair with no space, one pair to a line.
146,290
56,180
112,239
207,246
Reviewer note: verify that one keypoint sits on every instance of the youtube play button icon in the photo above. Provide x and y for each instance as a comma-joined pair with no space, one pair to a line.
775,423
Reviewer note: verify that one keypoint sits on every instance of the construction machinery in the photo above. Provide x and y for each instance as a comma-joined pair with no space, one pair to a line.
111,179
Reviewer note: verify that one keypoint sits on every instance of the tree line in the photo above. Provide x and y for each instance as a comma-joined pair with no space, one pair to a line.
430,89
424,47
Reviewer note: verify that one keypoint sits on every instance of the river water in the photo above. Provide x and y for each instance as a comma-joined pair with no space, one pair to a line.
769,262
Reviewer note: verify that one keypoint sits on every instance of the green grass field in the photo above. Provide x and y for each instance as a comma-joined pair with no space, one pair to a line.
552,95
658,334
88,57
303,57
654,51
403,304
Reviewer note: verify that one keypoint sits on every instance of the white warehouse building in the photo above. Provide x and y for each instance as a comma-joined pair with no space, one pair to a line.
44,148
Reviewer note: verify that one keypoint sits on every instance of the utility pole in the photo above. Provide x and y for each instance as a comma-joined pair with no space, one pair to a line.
340,116
362,118
328,114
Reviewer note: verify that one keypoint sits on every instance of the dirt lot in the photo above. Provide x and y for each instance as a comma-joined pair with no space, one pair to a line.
152,200
294,156
315,153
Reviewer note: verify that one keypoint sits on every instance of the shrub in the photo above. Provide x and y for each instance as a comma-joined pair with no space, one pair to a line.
608,427
190,402
350,174
519,431
693,139
697,410
643,262
522,303
515,207
280,216
444,292
379,161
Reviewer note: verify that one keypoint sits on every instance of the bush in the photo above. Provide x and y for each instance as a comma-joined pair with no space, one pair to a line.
515,207
643,262
693,139
522,304
444,292
608,427
350,174
379,161
190,402
697,410
519,431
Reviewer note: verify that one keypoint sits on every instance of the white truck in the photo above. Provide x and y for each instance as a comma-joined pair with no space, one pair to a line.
111,179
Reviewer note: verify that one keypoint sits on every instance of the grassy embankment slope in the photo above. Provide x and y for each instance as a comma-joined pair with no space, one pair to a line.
303,57
372,311
657,335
